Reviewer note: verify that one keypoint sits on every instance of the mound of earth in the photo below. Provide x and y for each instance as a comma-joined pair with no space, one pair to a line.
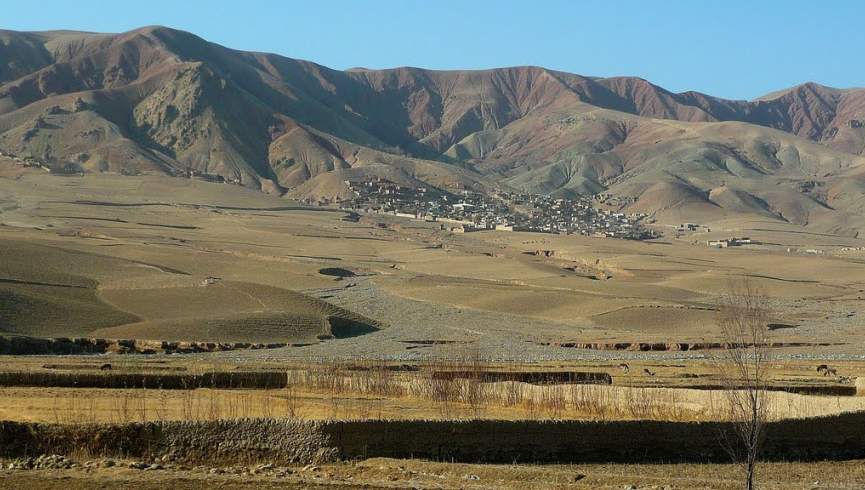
286,327
48,291
232,312
51,291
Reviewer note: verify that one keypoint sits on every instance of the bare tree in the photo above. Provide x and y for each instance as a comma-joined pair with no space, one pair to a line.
474,387
741,366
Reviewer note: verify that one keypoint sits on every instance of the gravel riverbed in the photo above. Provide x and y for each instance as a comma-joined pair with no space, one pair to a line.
419,331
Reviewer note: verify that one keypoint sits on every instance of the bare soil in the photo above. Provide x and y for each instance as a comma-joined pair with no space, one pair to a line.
390,473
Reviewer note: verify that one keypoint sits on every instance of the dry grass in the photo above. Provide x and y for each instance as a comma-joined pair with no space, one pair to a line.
376,391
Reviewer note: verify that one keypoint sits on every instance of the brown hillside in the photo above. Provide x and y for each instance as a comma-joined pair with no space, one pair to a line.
165,101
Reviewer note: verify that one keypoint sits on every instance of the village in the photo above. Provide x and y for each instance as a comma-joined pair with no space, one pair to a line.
469,211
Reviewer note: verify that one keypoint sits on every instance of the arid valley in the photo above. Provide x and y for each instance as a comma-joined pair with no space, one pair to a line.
230,265
235,269
366,315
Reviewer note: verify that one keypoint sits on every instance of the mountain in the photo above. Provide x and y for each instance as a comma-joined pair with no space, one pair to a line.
161,100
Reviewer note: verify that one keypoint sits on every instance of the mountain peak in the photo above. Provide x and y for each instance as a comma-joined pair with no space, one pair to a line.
807,86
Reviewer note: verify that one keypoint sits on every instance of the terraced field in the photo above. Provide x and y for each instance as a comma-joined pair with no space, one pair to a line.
56,291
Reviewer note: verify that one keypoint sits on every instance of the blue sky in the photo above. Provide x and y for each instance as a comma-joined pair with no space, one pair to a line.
735,49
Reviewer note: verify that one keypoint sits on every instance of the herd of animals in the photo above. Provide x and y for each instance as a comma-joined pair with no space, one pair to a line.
823,369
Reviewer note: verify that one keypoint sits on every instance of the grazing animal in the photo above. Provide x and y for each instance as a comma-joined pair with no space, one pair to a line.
822,368
624,367
648,372
105,367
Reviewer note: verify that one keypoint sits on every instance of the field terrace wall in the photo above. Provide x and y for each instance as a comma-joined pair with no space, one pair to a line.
166,381
678,346
219,442
836,437
22,345
533,377
292,441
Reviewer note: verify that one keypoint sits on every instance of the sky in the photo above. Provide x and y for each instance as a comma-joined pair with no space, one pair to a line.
733,49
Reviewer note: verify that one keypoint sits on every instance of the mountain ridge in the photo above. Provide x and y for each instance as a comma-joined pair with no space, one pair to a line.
157,99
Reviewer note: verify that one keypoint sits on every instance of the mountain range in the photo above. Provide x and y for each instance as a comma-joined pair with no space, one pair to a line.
157,99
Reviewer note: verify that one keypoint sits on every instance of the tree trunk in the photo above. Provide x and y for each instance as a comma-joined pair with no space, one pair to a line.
750,479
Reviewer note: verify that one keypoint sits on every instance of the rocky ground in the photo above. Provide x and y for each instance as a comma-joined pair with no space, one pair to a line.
58,472
420,331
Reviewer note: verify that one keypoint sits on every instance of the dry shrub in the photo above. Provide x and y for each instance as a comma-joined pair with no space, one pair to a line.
640,403
513,395
554,401
589,401
375,379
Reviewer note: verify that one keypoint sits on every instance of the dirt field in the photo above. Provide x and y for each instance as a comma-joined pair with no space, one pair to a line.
390,473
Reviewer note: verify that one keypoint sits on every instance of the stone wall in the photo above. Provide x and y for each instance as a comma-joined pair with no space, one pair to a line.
286,442
572,441
165,381
221,442
23,345
676,346
533,377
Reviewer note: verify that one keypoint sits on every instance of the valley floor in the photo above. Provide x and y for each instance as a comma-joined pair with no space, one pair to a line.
107,256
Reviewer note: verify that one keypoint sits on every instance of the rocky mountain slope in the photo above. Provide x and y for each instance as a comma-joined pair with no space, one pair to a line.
161,100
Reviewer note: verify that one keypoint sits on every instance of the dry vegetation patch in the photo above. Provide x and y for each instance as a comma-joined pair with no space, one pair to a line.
373,391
